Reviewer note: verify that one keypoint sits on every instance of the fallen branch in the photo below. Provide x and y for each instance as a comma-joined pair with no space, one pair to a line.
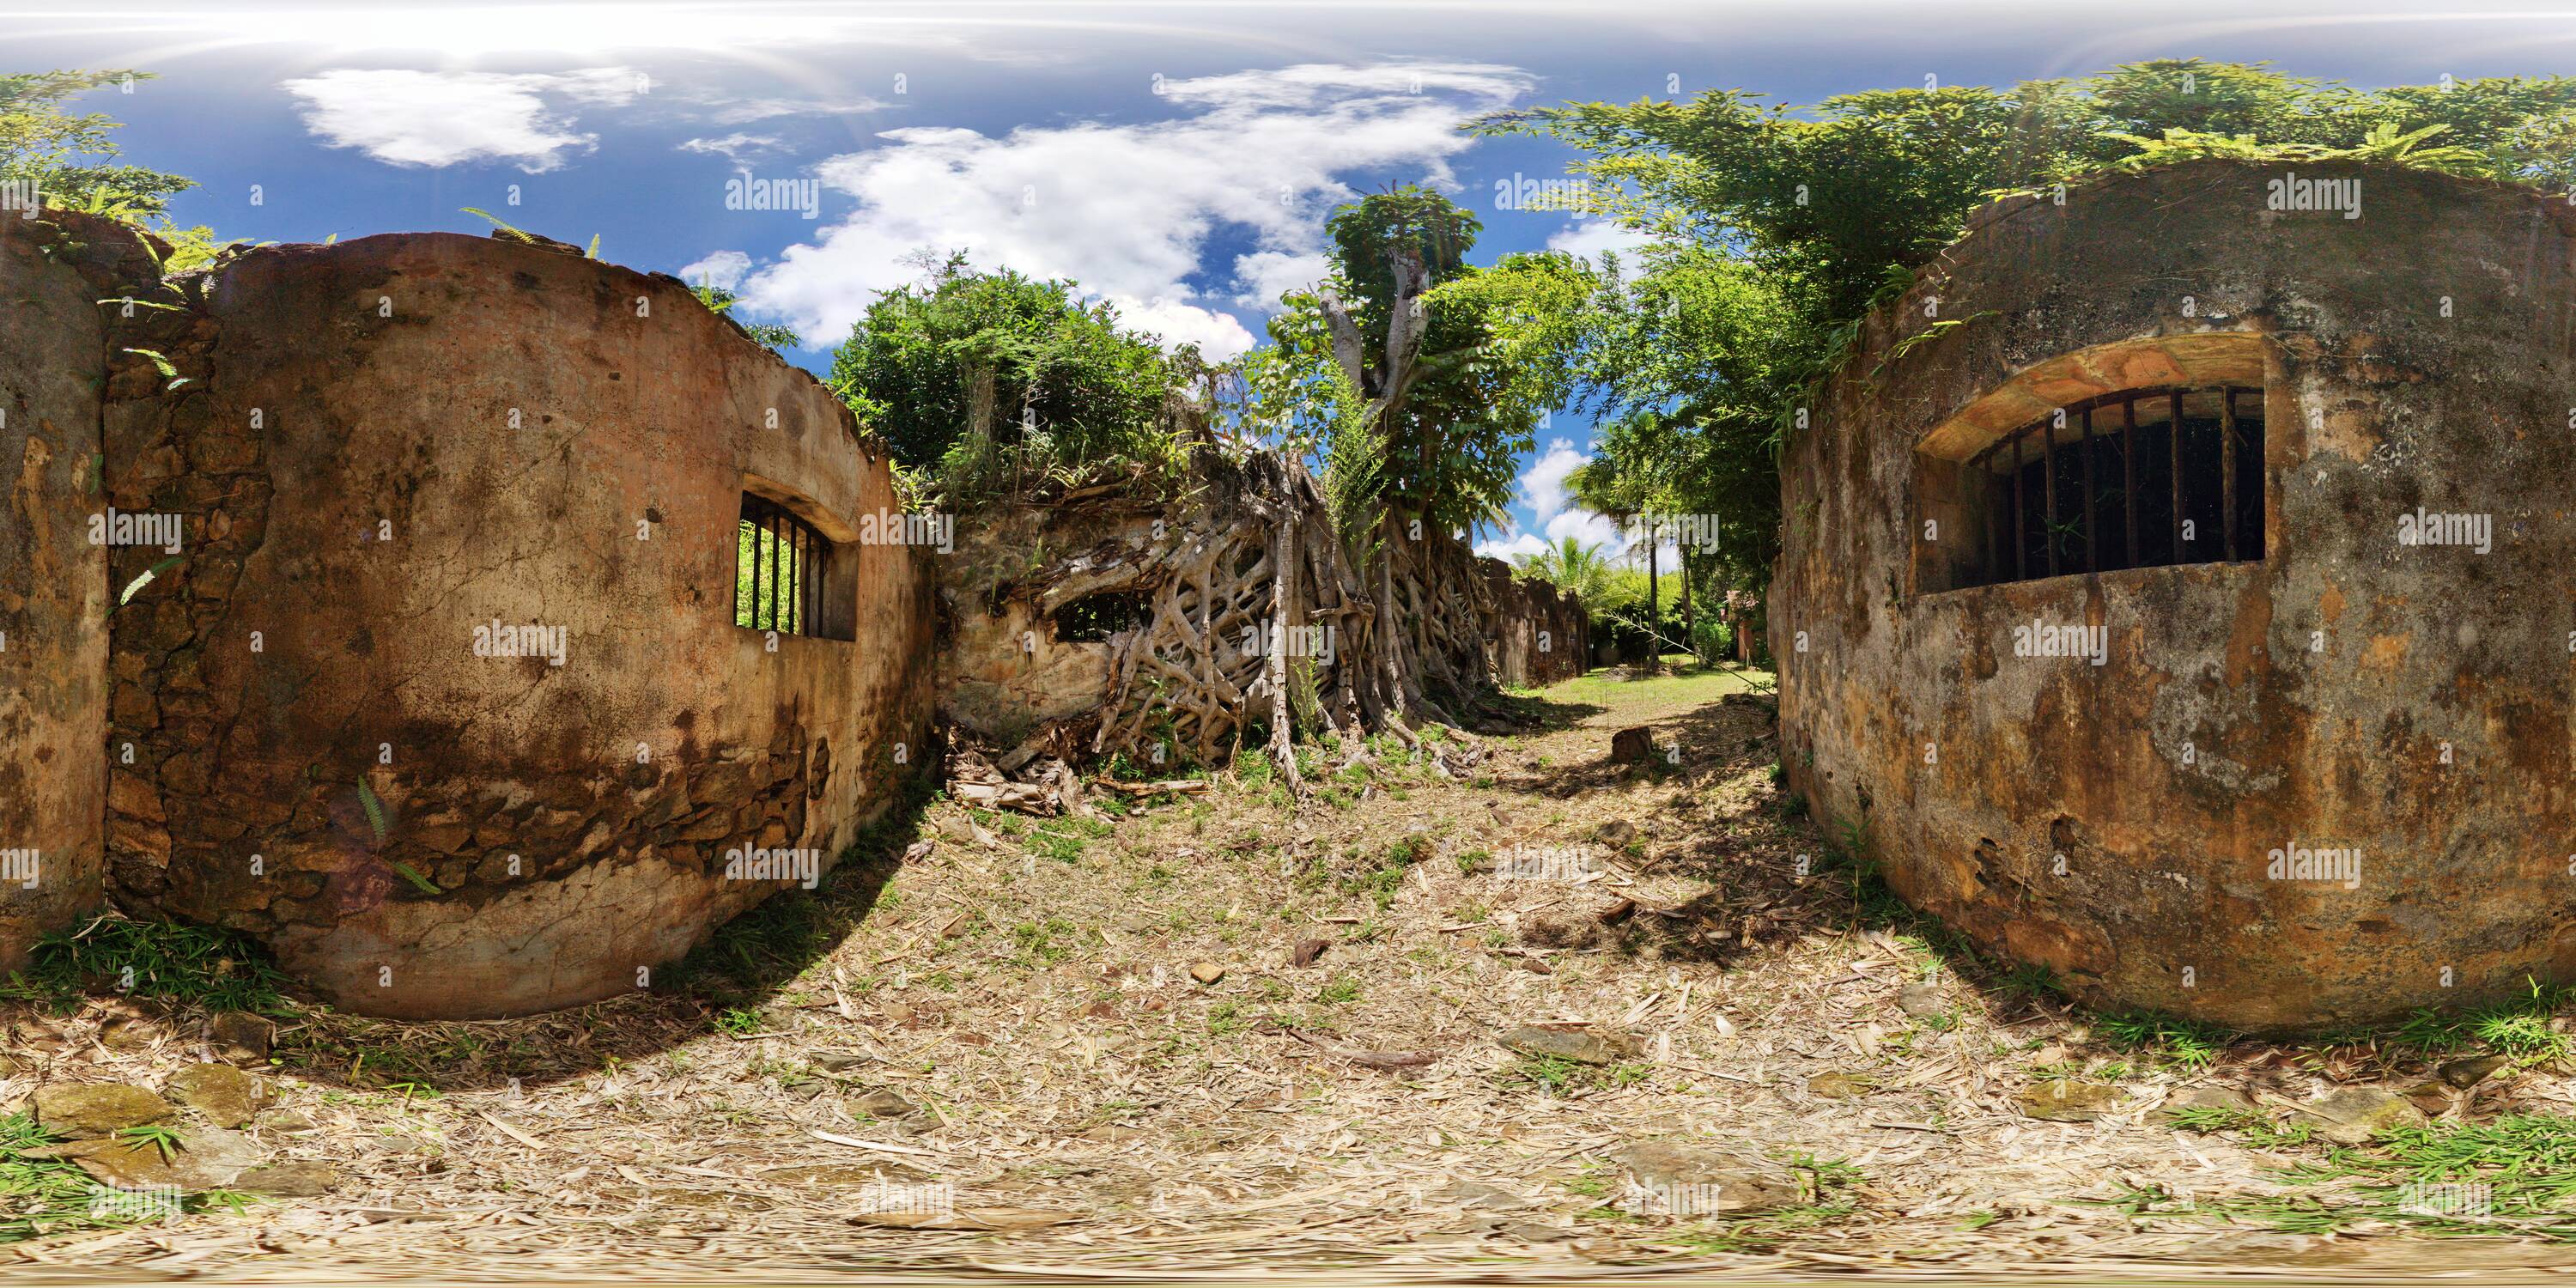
1368,1059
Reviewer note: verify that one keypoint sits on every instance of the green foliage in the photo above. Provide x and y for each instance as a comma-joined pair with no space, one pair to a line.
771,335
198,965
1588,573
73,157
1495,359
1778,230
1072,393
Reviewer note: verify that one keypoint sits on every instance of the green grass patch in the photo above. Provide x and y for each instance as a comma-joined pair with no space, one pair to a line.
194,965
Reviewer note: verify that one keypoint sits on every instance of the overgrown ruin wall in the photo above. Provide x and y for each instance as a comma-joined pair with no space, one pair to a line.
2339,693
390,454
1015,677
53,597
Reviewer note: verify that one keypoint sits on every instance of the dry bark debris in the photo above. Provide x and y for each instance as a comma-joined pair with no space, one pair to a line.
1164,1131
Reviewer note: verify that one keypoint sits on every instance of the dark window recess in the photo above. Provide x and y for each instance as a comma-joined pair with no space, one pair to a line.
2143,478
778,570
1092,619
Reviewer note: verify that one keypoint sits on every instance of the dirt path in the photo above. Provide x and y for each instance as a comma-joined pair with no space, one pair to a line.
1218,1035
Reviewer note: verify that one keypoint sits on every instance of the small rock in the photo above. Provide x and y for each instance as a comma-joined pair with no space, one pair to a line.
240,1035
83,1111
203,1158
285,1120
882,1103
1837,1086
2061,1100
2352,1115
289,1180
1633,745
2202,1098
2473,1070
1476,1195
2431,1096
226,1096
1207,972
1584,1046
1672,1178
1922,1001
1307,950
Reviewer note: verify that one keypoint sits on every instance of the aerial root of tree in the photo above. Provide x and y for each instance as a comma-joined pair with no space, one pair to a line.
1258,618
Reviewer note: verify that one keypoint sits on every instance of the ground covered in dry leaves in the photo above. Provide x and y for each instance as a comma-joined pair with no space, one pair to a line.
1554,1016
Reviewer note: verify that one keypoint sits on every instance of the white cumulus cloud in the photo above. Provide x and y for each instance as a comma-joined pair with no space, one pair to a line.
1128,210
416,118
723,270
1592,236
1543,483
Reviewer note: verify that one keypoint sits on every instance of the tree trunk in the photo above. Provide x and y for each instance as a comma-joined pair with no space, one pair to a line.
1654,636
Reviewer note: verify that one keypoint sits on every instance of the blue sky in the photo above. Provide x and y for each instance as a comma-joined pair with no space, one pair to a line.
1176,158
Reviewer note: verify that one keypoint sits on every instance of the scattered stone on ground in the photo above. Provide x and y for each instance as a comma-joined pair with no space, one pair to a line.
2067,1101
1207,972
88,1110
240,1036
289,1180
224,1095
1687,1179
1582,1046
2473,1070
2352,1115
2226,1098
1834,1084
195,1159
1922,1001
1634,745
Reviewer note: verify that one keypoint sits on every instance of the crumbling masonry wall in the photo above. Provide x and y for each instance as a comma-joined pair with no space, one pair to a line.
1014,677
2338,690
53,597
380,447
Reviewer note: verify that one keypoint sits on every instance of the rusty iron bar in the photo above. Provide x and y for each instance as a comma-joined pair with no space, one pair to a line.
2129,478
2092,543
2173,438
2227,463
754,523
2021,544
2048,480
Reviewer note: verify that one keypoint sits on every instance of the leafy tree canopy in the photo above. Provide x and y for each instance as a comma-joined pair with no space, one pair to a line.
73,157
1068,385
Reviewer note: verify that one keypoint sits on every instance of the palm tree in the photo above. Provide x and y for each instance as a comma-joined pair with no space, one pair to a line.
1622,486
1573,566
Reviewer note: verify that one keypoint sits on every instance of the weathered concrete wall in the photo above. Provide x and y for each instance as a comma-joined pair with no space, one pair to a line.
2344,691
1009,673
1536,635
384,447
53,595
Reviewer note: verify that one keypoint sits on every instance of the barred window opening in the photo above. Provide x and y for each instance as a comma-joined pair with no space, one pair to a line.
778,570
2141,478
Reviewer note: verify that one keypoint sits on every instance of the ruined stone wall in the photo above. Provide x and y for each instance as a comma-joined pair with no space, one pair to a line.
1536,634
379,449
2341,690
53,595
1013,679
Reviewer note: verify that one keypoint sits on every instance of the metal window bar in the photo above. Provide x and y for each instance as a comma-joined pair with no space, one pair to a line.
781,567
2129,479
2229,465
2092,543
2173,437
